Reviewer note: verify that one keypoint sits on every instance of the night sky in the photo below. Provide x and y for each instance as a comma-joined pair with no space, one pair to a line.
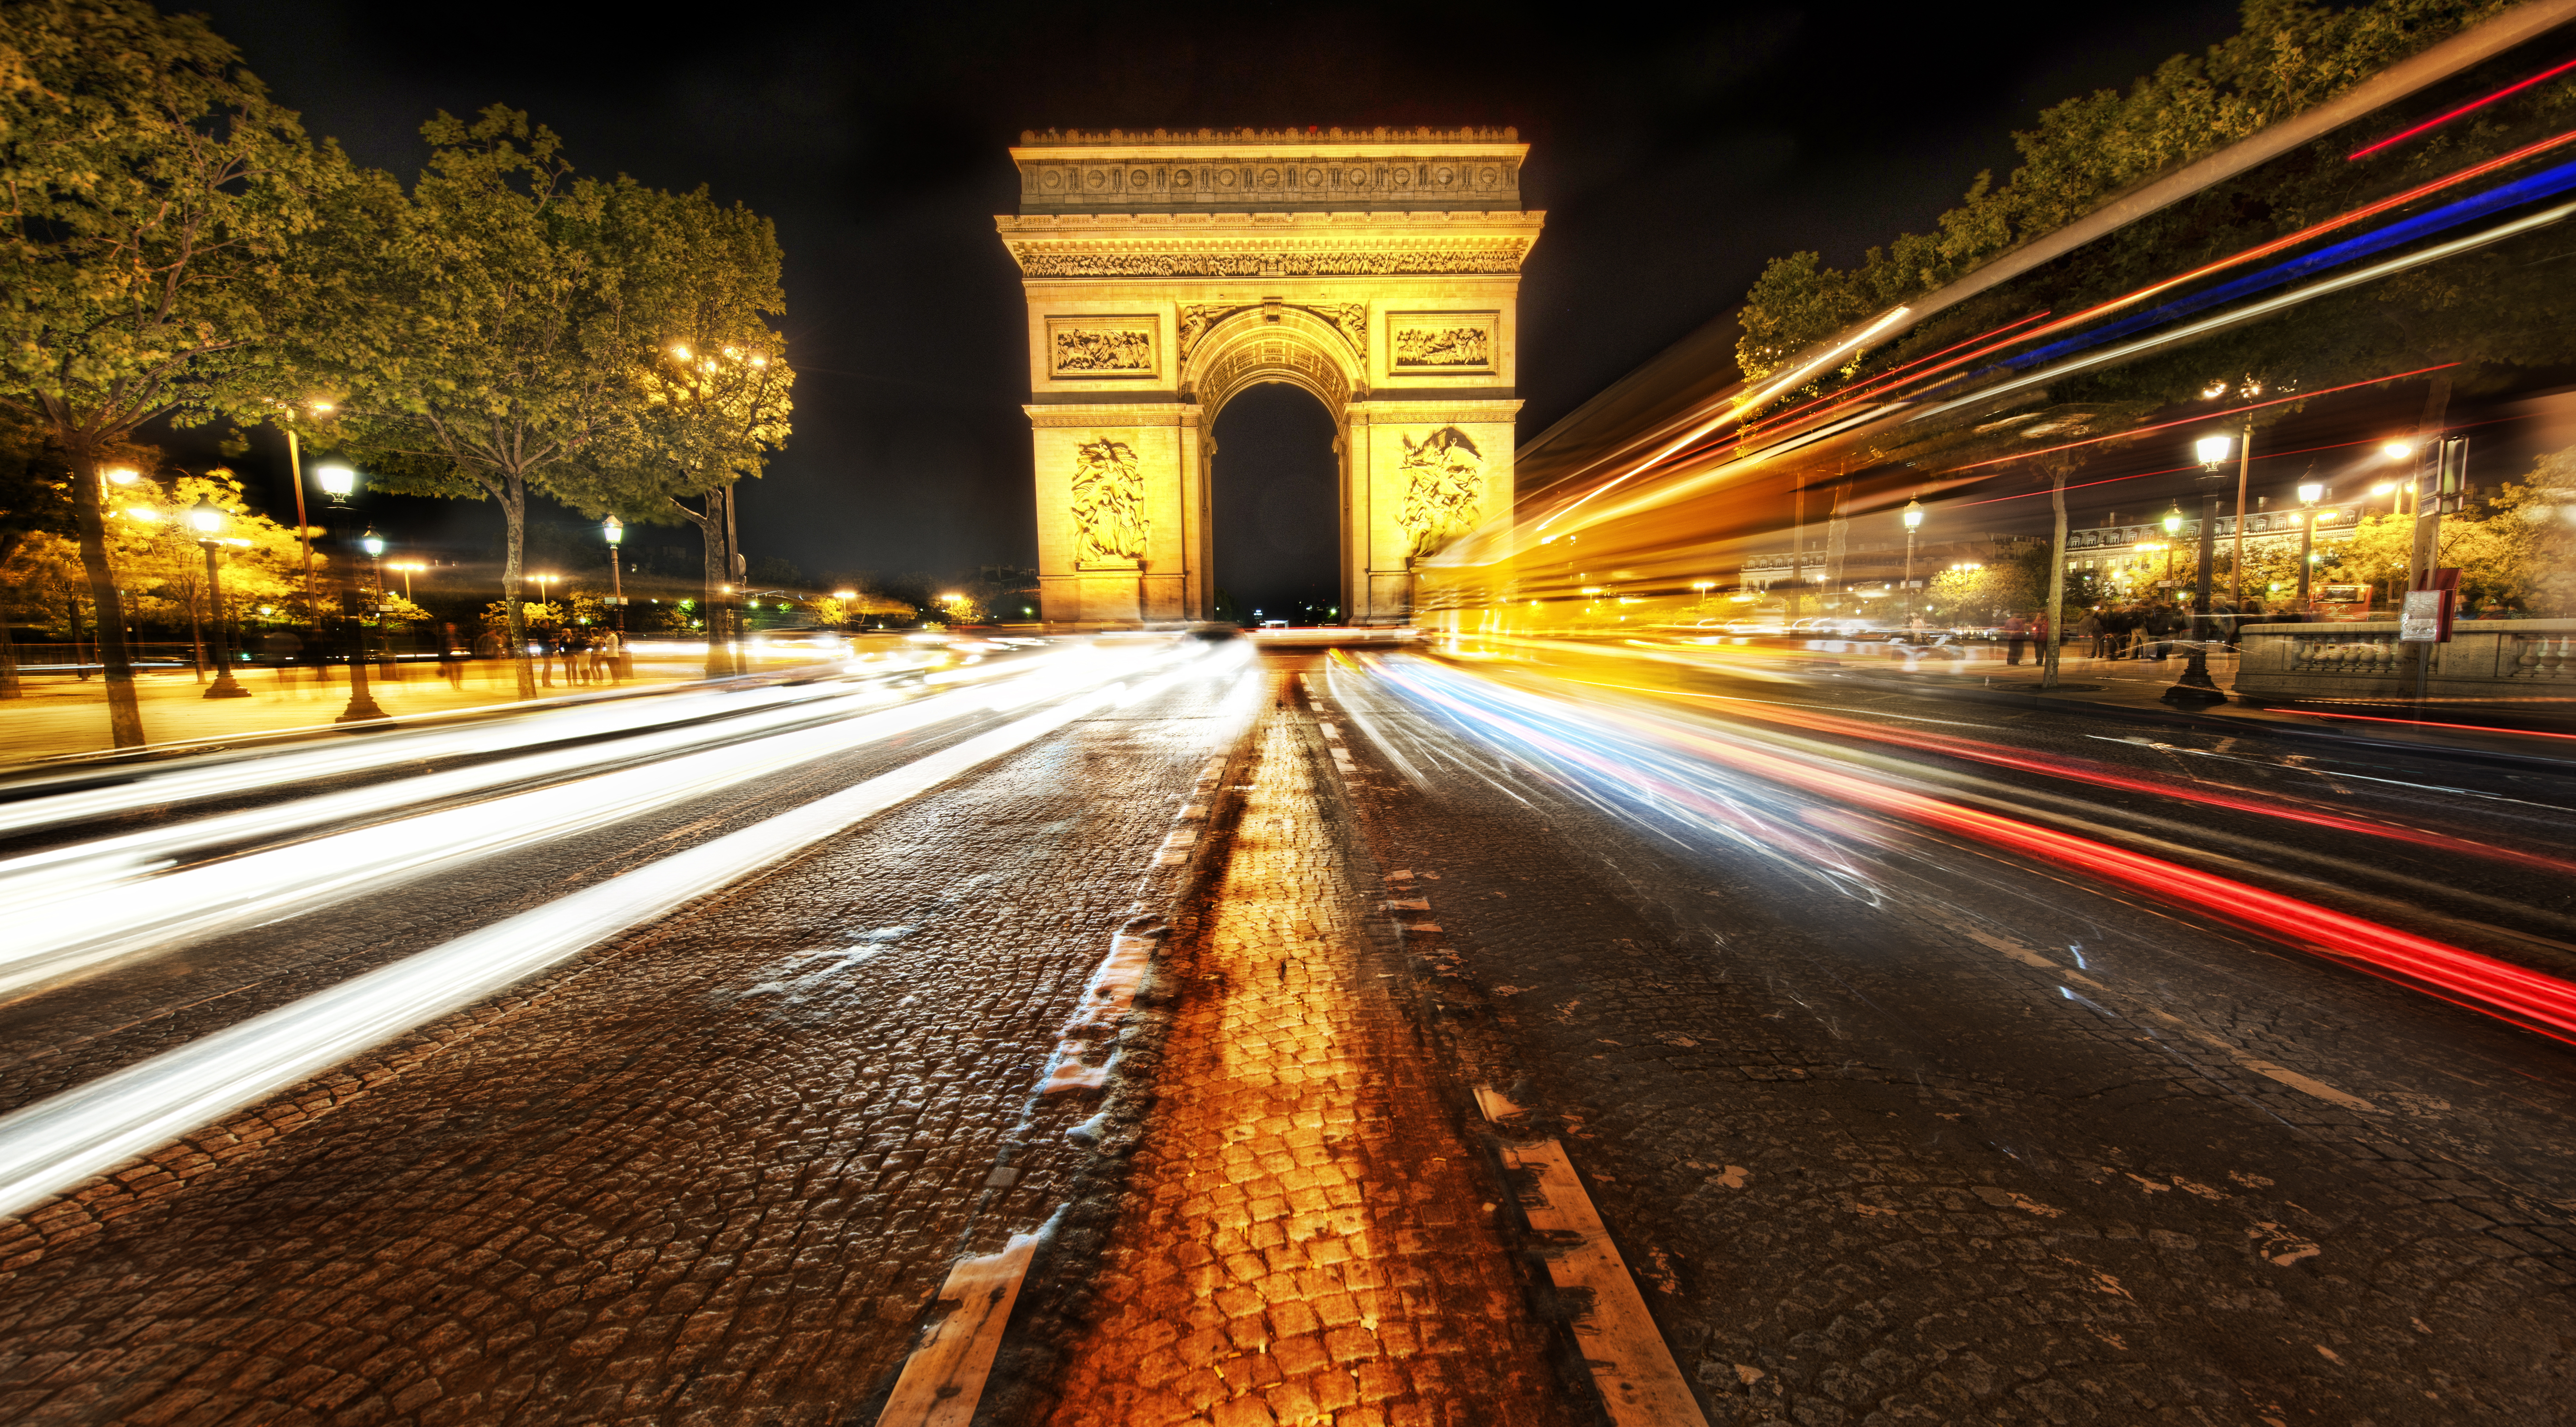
1675,150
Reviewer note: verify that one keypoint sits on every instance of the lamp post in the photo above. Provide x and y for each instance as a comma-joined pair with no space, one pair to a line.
208,521
2310,492
340,482
2195,686
304,529
1913,523
408,569
1703,587
2173,532
615,532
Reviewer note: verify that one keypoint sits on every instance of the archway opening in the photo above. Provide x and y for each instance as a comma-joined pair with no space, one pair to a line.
1276,491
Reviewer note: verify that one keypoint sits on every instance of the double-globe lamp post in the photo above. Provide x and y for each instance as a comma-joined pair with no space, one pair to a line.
2195,686
207,519
340,482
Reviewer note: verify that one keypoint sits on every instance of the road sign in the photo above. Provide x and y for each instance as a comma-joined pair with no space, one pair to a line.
2426,618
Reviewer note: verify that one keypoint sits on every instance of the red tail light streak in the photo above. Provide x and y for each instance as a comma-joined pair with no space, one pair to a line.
2463,977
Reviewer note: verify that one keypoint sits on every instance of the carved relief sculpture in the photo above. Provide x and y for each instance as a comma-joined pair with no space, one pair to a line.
1116,347
1108,505
1442,345
1444,485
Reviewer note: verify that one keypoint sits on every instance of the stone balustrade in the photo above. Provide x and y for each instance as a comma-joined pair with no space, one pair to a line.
2496,661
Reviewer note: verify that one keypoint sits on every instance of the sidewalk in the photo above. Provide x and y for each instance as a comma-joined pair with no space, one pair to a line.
60,715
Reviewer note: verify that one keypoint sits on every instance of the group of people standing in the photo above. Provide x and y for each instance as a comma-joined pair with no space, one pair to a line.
2143,631
588,656
583,655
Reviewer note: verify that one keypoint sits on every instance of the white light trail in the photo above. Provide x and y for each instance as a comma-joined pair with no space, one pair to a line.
37,875
56,1143
233,774
2265,308
95,914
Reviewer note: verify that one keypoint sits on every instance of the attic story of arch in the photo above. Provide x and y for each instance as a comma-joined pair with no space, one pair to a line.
1165,273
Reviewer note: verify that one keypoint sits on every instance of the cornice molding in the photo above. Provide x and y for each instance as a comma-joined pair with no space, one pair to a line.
1101,138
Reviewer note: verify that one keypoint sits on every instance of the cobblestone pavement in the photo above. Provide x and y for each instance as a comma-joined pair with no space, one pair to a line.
1306,1236
708,1173
1941,1137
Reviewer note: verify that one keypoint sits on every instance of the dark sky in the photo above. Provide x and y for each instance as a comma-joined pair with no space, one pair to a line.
1674,149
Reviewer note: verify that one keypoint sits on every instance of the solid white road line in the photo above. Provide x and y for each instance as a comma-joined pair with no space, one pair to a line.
1639,1381
943,1380
56,1143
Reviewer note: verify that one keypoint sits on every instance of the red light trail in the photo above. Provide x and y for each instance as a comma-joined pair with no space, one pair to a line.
2473,105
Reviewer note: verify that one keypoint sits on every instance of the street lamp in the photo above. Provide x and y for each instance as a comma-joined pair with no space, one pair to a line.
408,568
2195,686
2310,492
1703,586
614,530
1913,523
208,521
339,482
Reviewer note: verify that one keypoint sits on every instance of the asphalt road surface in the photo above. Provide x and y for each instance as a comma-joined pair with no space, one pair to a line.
1926,1061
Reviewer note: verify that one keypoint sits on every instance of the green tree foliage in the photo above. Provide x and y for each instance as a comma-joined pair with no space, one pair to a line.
518,328
714,381
154,194
2289,57
485,332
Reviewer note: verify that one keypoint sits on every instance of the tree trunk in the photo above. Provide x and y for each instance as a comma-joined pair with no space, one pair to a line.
710,540
741,577
124,714
2056,584
514,515
9,686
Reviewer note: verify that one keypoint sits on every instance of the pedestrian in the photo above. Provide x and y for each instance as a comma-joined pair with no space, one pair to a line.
613,645
2092,629
2016,635
451,659
2161,626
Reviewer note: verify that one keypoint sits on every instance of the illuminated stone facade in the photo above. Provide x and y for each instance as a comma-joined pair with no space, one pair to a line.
1165,273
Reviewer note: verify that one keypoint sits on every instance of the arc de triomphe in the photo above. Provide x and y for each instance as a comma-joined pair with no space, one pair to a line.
1166,272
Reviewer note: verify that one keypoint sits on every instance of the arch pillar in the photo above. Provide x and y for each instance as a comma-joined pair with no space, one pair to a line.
1122,512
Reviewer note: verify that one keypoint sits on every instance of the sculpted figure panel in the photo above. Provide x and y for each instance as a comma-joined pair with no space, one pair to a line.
1101,347
1441,342
1108,504
1444,489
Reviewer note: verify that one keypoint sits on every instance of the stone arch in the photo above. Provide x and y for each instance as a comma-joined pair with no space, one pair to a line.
1287,344
1348,265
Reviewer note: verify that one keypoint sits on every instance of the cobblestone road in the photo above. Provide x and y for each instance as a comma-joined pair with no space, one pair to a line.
709,1173
1958,1139
1908,1132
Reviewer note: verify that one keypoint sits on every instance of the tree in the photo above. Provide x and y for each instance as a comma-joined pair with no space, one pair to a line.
491,335
2289,57
154,193
715,386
